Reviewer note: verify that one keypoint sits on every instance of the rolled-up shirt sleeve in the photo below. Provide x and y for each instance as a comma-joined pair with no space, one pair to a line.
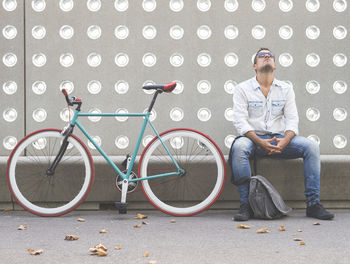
240,112
291,112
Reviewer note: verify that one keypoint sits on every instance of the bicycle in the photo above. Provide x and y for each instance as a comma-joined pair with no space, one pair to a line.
165,167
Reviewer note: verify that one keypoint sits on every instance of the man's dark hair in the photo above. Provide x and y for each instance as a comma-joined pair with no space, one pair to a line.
256,55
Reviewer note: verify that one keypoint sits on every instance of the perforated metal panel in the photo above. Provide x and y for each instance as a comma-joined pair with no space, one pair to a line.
207,46
11,75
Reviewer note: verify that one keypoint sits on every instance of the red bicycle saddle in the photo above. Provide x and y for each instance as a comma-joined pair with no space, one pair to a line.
168,88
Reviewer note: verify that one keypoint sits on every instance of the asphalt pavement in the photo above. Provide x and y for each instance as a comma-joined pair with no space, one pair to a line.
210,237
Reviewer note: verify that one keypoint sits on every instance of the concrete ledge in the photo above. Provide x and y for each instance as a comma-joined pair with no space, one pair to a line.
285,175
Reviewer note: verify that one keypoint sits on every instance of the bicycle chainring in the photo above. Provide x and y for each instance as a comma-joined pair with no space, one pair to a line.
131,186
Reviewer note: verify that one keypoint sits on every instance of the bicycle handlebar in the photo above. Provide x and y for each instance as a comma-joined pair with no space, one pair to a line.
73,100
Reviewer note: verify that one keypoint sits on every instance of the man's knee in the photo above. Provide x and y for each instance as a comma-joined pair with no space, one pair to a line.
309,146
242,146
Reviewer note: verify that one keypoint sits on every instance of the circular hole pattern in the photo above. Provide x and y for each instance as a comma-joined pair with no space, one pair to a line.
203,86
312,5
258,32
231,5
286,5
121,111
204,59
231,59
313,114
121,32
340,87
121,5
94,32
66,32
94,87
176,60
176,114
9,142
66,5
176,5
340,114
66,60
10,87
95,118
121,87
68,86
285,32
340,141
121,59
94,59
340,60
9,114
39,87
9,32
312,32
312,60
204,32
204,114
258,5
176,32
313,87
39,115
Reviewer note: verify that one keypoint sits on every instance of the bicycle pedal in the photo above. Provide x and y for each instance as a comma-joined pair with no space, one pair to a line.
122,207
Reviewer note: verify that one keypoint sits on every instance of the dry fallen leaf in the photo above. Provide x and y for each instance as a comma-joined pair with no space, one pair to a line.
299,230
22,227
35,252
297,239
302,243
71,237
282,228
81,220
102,231
316,223
101,253
118,247
263,230
141,216
243,226
146,254
137,226
99,250
152,262
172,221
145,223
6,210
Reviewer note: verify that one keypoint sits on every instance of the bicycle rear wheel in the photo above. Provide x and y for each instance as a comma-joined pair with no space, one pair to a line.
49,195
204,176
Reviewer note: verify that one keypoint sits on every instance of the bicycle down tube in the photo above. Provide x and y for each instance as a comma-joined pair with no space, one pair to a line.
133,157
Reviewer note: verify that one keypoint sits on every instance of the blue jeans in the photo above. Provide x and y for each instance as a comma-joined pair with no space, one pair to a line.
299,147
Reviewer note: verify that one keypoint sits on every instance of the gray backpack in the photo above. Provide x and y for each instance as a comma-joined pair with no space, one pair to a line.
264,200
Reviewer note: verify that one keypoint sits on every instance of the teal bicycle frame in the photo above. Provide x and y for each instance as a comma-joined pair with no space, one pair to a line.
133,157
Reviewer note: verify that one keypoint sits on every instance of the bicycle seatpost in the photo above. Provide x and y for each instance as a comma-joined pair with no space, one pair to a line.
154,100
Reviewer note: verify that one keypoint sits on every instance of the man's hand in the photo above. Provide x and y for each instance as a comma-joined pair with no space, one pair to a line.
282,143
268,147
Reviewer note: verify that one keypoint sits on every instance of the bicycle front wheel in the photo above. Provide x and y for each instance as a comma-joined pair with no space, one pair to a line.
195,190
36,190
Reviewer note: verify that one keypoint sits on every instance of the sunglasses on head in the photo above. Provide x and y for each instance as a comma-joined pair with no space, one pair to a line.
263,54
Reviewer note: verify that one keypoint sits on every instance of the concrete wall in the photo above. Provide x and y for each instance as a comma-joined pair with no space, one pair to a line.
285,175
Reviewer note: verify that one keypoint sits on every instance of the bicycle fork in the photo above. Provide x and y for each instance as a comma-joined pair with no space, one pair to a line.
51,170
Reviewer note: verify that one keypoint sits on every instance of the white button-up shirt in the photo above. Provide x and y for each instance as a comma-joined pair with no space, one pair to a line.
275,113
